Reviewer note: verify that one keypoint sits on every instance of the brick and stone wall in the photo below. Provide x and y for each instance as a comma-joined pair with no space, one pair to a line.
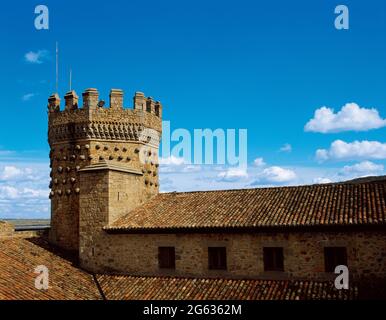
303,253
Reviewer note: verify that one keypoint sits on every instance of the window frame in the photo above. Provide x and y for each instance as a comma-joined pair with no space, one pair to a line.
273,259
332,255
170,259
218,262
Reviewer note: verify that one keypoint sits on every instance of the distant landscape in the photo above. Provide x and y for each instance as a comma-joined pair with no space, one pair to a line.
28,222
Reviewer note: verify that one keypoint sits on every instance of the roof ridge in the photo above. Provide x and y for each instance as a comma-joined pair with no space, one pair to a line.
316,185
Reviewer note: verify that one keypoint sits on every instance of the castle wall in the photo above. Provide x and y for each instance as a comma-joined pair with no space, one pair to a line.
303,253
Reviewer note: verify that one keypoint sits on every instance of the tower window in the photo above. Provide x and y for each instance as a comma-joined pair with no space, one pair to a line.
334,256
217,258
166,258
273,259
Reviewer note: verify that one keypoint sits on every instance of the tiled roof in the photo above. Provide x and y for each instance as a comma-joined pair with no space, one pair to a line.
315,205
18,259
158,288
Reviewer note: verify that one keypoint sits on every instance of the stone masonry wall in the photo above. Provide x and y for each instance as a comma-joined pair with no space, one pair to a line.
106,195
303,253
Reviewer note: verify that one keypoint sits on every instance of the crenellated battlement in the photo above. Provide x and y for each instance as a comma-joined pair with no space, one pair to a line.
88,137
93,119
91,102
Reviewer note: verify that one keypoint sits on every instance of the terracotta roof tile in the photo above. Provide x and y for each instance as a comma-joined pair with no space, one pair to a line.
167,288
18,259
315,205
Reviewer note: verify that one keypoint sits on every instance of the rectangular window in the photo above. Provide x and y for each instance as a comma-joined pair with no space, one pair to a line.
334,256
273,259
166,257
217,258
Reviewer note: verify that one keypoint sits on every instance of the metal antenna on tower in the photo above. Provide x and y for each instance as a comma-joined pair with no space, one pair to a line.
57,68
70,79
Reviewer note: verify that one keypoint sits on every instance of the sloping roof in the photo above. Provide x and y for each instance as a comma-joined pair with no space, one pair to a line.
18,260
305,206
158,288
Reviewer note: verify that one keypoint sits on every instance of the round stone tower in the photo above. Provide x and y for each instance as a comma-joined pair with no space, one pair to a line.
94,137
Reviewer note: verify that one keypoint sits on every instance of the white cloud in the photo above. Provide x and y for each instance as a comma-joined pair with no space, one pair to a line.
28,96
7,192
172,160
174,164
341,150
259,162
350,117
233,174
286,148
14,193
321,155
36,57
275,175
321,180
191,168
364,168
10,172
24,190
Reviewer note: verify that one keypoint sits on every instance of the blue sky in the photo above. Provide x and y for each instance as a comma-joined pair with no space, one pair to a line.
263,66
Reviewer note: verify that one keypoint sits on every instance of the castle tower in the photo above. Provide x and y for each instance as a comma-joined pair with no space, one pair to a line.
91,139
